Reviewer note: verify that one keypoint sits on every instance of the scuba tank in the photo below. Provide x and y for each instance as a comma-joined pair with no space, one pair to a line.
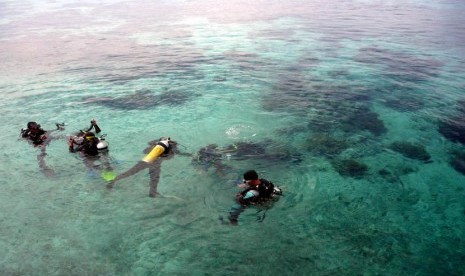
162,147
102,144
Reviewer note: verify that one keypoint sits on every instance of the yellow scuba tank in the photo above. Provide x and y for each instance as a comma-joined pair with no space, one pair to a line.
158,150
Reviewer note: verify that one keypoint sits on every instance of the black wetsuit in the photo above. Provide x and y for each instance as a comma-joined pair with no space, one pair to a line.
36,137
88,146
265,192
264,189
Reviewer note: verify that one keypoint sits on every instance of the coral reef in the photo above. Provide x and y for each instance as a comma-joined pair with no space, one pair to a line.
364,119
405,103
410,150
325,145
246,150
350,168
457,161
453,129
142,99
399,65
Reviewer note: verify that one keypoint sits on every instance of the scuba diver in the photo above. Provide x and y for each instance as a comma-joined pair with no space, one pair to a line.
211,156
92,148
257,192
157,151
40,138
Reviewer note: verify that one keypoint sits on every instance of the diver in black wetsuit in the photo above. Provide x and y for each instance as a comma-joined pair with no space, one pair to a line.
157,151
258,191
91,148
40,138
212,156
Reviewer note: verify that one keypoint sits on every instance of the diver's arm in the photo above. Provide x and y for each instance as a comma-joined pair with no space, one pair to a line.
71,142
178,152
93,124
97,129
175,149
184,153
70,145
25,133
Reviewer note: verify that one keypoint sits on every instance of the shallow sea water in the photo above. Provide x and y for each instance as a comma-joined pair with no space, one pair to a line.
354,108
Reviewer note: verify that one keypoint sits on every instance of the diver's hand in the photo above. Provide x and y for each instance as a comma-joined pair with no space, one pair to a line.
60,126
70,141
110,184
242,185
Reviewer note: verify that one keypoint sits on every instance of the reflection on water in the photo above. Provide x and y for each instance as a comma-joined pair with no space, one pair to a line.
355,109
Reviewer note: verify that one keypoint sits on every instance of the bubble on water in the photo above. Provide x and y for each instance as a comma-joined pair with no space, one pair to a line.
241,131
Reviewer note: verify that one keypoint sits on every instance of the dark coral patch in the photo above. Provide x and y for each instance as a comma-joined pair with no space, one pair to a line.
364,119
400,65
261,151
173,98
350,168
405,103
458,162
143,99
453,129
411,150
246,150
461,106
325,145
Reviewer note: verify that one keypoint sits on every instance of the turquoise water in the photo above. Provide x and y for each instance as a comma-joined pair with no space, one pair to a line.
354,108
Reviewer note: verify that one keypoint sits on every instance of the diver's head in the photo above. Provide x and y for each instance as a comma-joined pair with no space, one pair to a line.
90,139
212,146
33,125
166,141
155,142
250,175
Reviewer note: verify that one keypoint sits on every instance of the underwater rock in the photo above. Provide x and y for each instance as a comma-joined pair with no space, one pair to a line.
410,150
453,129
350,167
324,145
